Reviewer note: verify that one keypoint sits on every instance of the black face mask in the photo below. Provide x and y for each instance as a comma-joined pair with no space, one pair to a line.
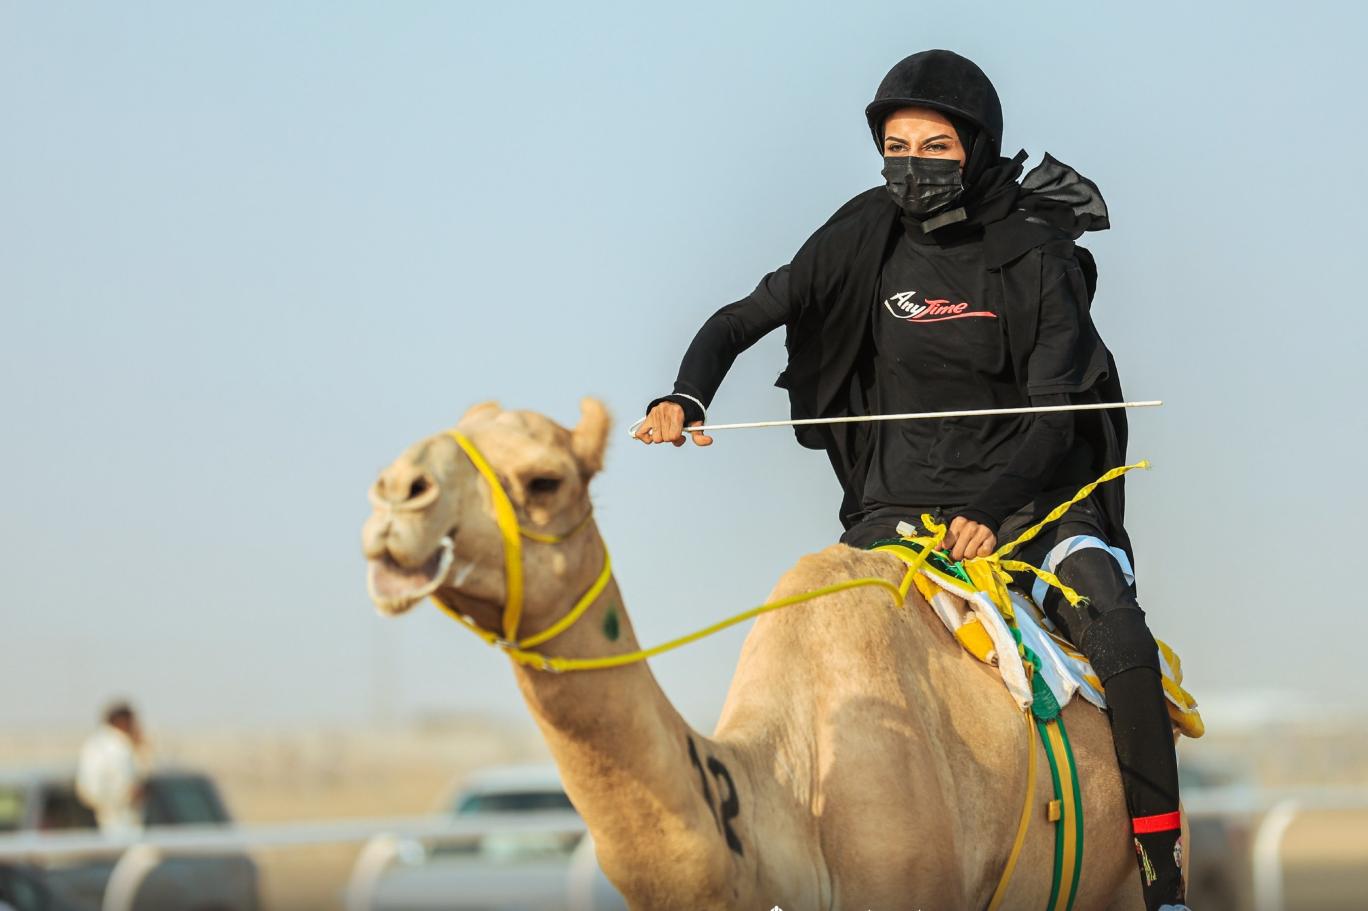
921,186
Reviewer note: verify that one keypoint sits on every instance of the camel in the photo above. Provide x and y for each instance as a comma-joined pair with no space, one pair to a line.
862,759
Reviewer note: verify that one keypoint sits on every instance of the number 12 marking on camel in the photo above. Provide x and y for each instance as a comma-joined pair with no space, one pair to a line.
730,804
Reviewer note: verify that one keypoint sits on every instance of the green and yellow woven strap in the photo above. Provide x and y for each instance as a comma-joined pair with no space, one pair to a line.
1068,854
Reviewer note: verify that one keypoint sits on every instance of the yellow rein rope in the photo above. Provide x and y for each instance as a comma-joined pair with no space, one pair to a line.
989,574
519,649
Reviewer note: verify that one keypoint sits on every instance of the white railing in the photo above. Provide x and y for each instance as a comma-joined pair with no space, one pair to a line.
217,838
139,853
1276,811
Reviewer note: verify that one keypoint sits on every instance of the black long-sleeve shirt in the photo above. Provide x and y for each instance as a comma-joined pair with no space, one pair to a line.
982,468
727,333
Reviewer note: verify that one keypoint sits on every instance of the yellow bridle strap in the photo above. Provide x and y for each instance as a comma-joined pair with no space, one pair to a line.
565,622
1024,822
508,527
547,634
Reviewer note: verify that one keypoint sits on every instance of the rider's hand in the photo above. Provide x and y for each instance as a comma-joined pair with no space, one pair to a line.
665,424
967,538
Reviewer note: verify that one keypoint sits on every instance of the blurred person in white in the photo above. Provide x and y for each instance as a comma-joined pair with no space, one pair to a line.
109,776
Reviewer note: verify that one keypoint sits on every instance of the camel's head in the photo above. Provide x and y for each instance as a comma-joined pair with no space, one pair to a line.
433,529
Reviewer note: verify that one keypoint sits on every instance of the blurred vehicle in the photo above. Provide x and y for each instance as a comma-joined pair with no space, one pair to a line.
24,888
499,871
43,800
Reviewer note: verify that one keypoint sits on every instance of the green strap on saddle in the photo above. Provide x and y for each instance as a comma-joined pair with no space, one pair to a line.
938,559
1066,810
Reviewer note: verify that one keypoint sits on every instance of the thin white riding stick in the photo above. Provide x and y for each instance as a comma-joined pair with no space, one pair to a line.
910,416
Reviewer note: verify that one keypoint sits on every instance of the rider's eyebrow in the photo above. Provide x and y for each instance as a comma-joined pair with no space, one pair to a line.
934,138
895,139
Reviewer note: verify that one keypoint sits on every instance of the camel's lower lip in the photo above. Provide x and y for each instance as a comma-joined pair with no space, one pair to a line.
395,589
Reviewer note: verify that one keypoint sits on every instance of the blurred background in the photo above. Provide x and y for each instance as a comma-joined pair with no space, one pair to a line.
250,252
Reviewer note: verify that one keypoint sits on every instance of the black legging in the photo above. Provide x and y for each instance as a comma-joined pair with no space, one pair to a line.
1111,631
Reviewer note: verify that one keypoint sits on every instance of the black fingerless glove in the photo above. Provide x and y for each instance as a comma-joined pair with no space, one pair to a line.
692,410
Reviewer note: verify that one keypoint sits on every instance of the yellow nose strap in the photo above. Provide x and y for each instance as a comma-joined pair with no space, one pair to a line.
508,527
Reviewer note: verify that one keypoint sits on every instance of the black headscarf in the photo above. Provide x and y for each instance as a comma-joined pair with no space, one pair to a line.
979,150
1013,215
1027,227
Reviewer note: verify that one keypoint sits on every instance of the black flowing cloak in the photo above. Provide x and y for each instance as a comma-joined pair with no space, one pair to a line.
834,282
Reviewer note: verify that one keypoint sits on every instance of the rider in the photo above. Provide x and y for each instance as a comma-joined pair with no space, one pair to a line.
956,286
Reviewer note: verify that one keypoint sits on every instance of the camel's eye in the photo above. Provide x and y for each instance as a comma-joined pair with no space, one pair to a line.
544,485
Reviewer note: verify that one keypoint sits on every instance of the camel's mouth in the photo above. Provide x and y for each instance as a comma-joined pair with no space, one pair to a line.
395,589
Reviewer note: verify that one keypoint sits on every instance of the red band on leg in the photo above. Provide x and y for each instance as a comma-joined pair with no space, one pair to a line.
1163,822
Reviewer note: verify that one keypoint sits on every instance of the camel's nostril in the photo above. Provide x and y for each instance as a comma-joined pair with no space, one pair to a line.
405,487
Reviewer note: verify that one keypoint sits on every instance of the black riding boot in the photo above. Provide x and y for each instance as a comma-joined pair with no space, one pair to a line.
1143,735
1112,633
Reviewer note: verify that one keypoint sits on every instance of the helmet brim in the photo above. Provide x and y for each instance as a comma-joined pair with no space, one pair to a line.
877,112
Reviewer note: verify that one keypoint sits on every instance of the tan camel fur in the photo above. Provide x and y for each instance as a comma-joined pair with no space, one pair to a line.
862,759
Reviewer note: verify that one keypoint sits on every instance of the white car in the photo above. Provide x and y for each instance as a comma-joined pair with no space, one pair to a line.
550,869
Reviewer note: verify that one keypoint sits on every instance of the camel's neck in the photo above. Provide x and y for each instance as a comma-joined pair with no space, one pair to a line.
622,748
584,705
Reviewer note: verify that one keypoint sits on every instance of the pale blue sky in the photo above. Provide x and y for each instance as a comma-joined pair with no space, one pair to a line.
249,252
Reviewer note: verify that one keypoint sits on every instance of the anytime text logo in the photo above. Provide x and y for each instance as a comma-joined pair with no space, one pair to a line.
903,307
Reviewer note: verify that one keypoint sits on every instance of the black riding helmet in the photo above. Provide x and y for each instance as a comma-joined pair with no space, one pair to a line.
955,86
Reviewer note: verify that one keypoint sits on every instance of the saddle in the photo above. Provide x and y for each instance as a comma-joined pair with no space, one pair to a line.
1018,639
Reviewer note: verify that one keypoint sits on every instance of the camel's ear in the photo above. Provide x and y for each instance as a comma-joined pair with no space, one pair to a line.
590,436
473,410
